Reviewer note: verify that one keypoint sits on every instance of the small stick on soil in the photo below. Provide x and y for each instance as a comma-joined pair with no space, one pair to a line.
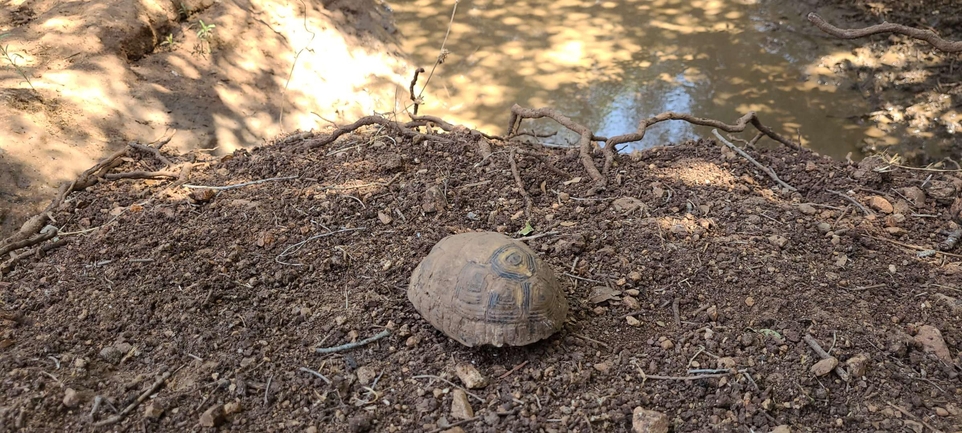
297,245
411,89
592,340
813,343
453,425
520,182
516,368
240,185
909,414
873,286
97,400
767,170
533,237
267,389
153,151
696,377
142,175
308,370
924,35
431,376
143,396
914,247
349,346
854,201
674,312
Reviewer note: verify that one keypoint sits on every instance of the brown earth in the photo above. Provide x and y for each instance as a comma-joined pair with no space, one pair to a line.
224,296
229,293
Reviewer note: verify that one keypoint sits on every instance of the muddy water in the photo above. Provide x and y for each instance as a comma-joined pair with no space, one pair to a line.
609,64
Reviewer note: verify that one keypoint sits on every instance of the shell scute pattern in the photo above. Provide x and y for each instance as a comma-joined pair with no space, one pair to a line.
486,288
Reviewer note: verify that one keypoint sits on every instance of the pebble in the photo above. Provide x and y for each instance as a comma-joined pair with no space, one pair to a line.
807,209
311,429
880,204
470,376
627,204
778,241
412,341
384,217
915,194
460,407
782,429
941,411
71,398
115,352
824,227
365,375
456,429
857,365
727,362
667,344
213,417
632,321
824,366
232,408
603,367
648,421
931,339
632,303
153,410
750,301
712,313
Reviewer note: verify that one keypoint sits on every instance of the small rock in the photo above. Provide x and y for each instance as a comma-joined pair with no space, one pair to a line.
880,204
470,376
667,344
433,200
603,367
153,410
627,204
632,303
824,227
311,429
632,321
931,339
750,301
114,353
778,241
712,313
359,423
824,366
941,411
648,421
412,341
601,294
634,276
943,191
365,375
915,194
384,218
857,365
213,417
232,407
726,362
71,398
457,429
679,230
460,406
784,428
807,209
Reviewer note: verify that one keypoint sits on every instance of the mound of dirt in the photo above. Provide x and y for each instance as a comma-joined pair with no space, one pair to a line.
697,291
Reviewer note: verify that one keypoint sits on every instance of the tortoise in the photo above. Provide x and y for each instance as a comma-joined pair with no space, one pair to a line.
485,288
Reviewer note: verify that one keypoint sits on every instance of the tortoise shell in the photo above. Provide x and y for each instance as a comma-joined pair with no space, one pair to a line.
486,288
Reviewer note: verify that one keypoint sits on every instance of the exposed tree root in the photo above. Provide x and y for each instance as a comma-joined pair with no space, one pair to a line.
586,146
404,129
36,229
923,35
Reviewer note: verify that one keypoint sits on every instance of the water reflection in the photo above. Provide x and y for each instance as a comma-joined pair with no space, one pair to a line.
610,64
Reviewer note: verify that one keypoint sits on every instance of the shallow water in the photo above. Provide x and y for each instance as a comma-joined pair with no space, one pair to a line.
609,64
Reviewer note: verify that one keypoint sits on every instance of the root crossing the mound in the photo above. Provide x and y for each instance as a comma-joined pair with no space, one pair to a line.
586,143
924,35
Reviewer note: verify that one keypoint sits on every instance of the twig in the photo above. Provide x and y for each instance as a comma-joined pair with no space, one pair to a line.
766,169
521,188
516,368
914,247
267,389
97,400
240,185
431,376
297,245
140,399
414,81
924,35
142,175
155,151
349,346
813,343
308,370
602,344
456,424
909,414
585,145
540,235
854,201
581,278
442,54
696,377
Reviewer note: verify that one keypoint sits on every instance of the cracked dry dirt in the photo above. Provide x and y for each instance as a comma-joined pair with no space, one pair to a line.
715,269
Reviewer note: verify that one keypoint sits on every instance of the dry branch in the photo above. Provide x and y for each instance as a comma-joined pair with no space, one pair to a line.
365,121
923,35
766,169
585,146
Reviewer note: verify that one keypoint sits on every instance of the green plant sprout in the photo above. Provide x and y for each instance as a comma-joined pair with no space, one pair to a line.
11,58
169,41
205,34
